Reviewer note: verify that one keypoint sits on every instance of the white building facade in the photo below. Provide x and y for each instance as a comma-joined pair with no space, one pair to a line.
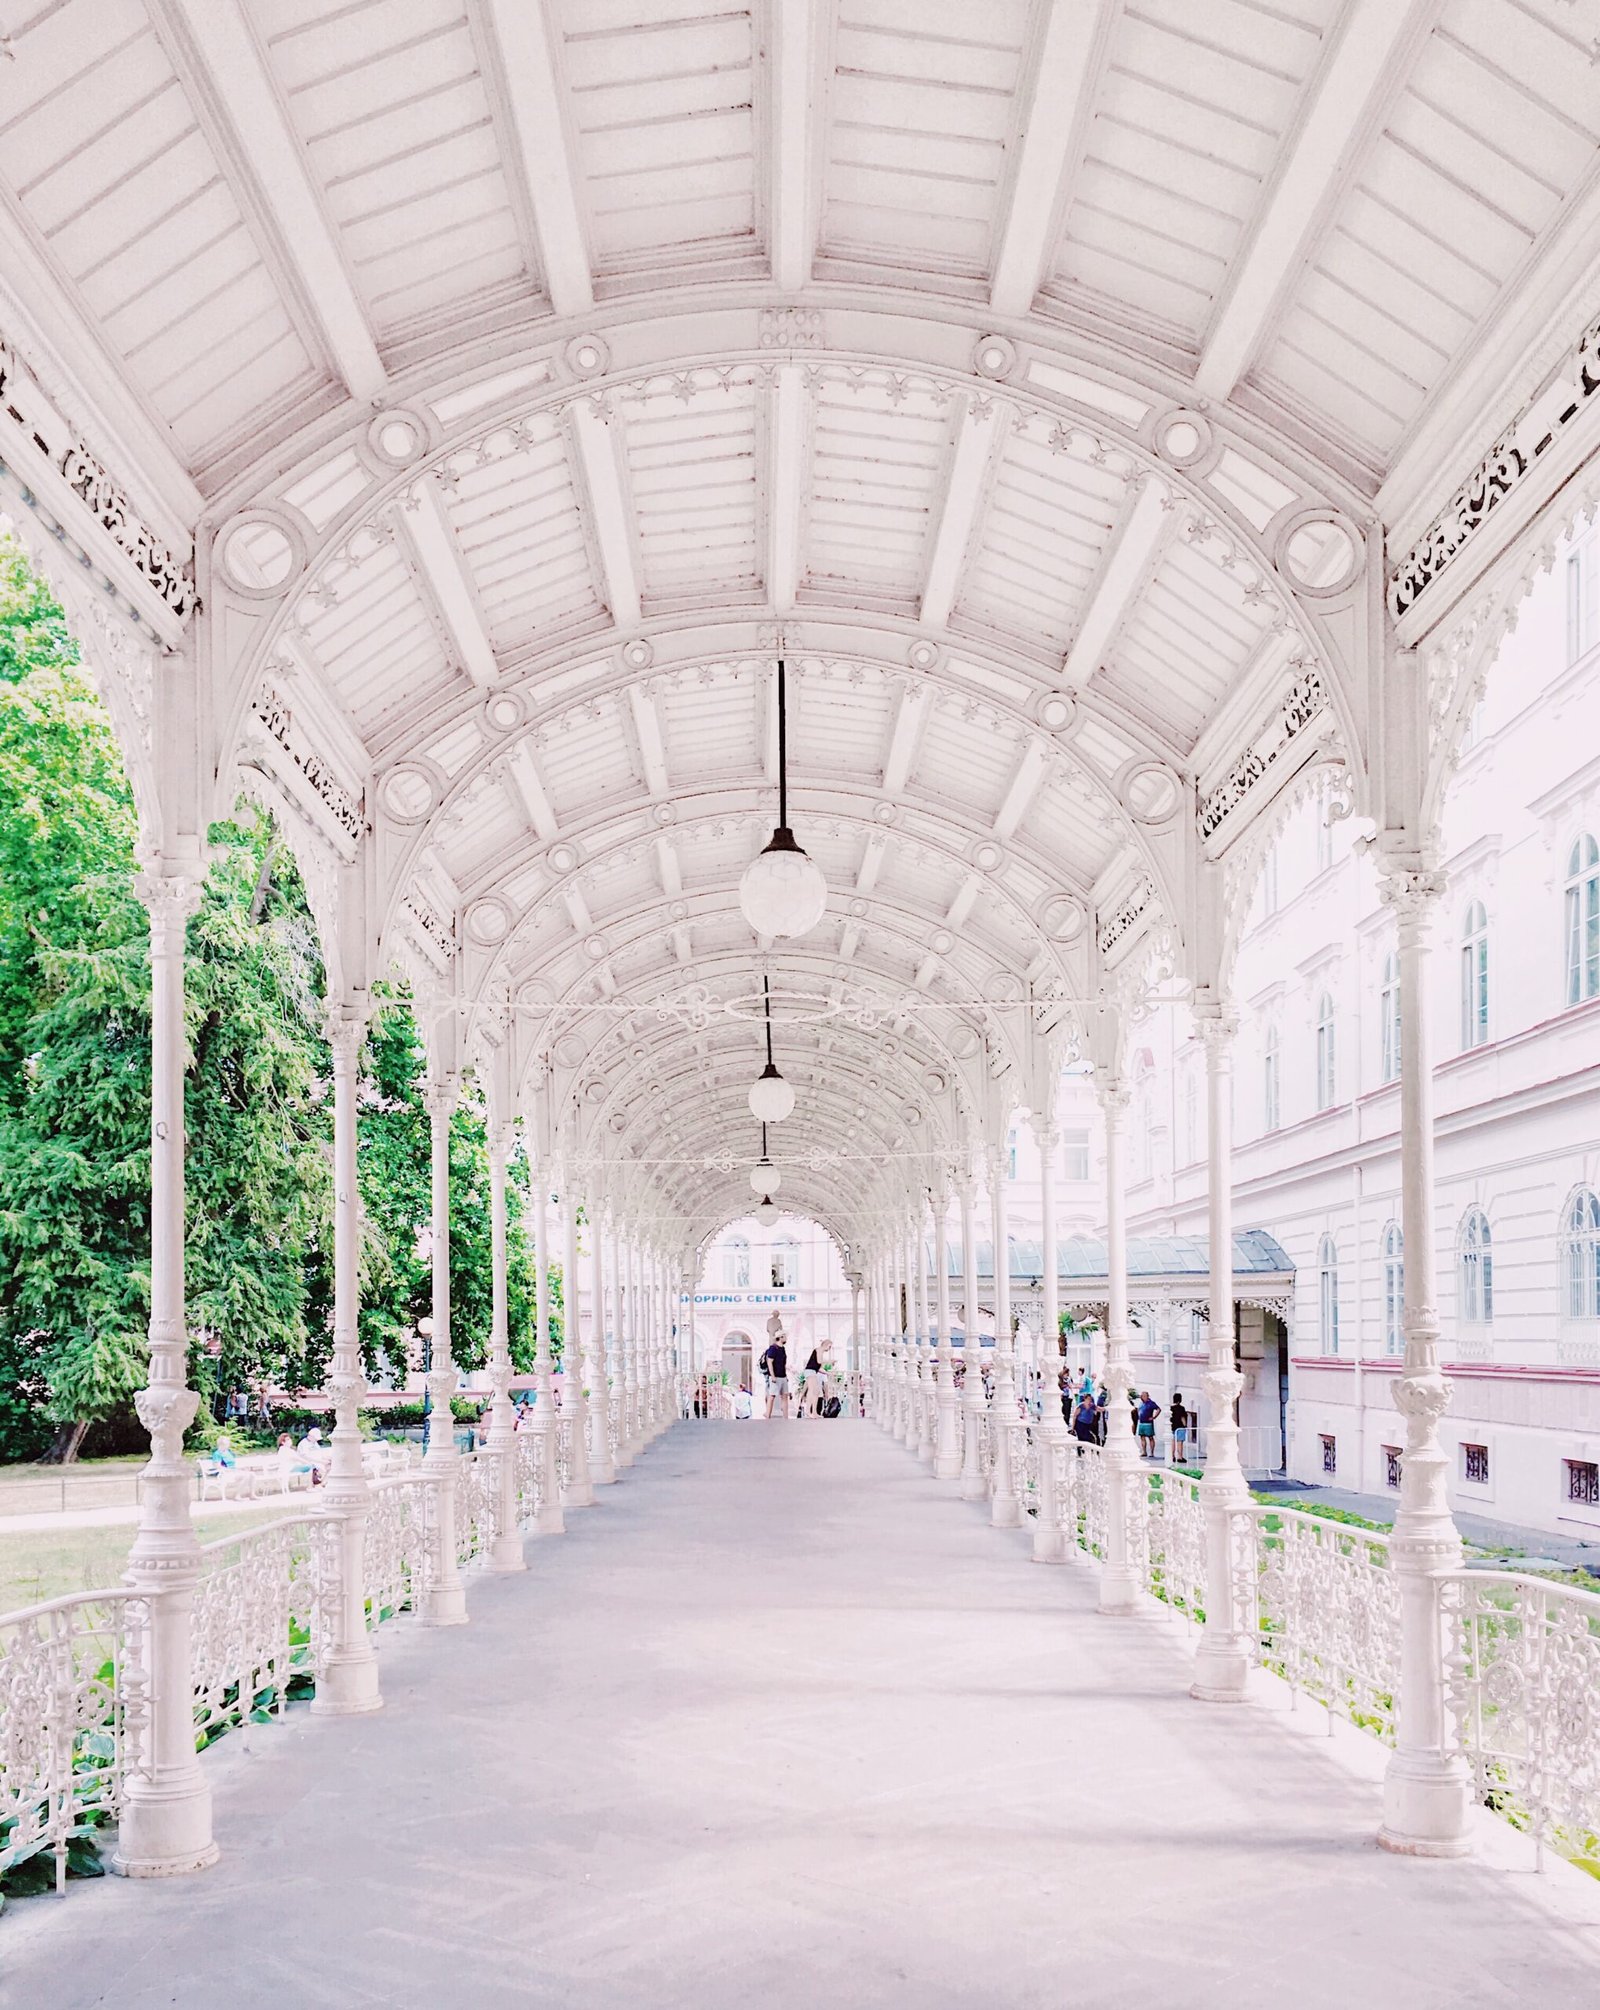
1515,1019
751,1271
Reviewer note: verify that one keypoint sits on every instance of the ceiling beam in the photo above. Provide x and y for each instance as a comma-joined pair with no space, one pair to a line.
1374,47
965,900
599,454
872,855
1024,787
966,484
785,484
428,536
652,750
57,337
908,722
272,162
521,36
577,908
1051,138
669,867
791,197
523,768
1125,569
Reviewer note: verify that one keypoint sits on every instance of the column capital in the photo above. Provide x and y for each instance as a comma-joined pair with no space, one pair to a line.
440,1094
1413,887
169,895
1112,1090
346,1030
1215,1025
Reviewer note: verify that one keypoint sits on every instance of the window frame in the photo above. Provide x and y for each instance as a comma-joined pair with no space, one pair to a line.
1327,1053
1475,1270
1390,1056
1393,1259
1580,1256
1328,1294
1475,977
1580,921
1271,1081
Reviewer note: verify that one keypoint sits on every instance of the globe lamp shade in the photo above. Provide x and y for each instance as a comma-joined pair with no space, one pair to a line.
771,1098
783,891
766,1210
765,1178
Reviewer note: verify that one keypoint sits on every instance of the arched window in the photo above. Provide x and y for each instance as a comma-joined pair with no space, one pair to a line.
736,1264
1389,1018
1328,1294
785,1264
1394,1289
1269,1081
1580,1257
1475,977
1583,920
1327,1060
1476,1261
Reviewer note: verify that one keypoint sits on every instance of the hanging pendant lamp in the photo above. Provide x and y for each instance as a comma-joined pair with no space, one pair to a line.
767,1210
765,1178
783,891
771,1098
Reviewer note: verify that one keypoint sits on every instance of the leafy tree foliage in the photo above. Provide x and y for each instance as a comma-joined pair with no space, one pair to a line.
75,1087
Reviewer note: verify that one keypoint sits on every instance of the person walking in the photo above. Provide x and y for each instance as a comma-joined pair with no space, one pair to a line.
775,1366
1100,1402
1086,1422
809,1392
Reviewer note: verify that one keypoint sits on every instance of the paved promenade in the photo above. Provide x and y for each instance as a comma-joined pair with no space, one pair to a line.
780,1722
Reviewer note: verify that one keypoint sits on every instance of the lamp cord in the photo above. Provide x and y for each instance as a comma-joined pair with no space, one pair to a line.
783,750
766,1006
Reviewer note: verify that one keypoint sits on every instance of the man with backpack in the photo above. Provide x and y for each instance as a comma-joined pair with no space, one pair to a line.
775,1366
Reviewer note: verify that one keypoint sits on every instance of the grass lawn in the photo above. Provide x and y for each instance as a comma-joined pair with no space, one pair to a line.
53,1561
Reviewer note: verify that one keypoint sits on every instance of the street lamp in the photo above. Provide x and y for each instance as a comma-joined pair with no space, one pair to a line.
765,1177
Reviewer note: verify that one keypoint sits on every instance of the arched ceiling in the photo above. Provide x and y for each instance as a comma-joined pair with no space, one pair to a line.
1044,382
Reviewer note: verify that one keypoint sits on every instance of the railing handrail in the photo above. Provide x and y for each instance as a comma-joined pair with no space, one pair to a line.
249,1536
1574,1594
1304,1517
67,1600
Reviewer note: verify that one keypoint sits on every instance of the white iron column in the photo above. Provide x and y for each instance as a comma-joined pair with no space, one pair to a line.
506,1550
1223,1661
1005,1505
904,1365
947,1423
447,1601
926,1404
1426,1789
550,1520
602,1470
973,1403
578,1492
1119,1584
634,1329
166,1816
1049,1538
347,1683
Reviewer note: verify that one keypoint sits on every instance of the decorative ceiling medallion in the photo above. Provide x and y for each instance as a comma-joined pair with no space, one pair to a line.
665,813
986,855
858,908
994,356
504,711
1004,987
1056,711
261,551
408,792
638,653
587,356
1062,918
964,1043
1320,550
561,858
594,947
942,942
398,437
1151,792
1182,438
884,813
488,921
923,654
935,1082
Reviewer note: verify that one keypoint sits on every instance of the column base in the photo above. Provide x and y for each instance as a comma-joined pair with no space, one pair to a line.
1005,1511
550,1521
348,1687
505,1555
1427,1806
603,1476
165,1834
947,1465
578,1496
1222,1671
1119,1590
973,1487
447,1607
1049,1545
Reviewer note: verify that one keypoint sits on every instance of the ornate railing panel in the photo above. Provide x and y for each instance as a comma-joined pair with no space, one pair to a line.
477,1504
396,1568
259,1617
1025,1445
73,1705
1174,1547
530,1474
1523,1685
1327,1610
564,1453
1083,1496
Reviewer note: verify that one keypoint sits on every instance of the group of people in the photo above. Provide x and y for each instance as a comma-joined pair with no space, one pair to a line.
1086,1409
811,1384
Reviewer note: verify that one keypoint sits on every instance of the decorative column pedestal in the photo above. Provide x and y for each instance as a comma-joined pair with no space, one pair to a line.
1226,1652
1427,1792
1119,1582
165,1828
347,1683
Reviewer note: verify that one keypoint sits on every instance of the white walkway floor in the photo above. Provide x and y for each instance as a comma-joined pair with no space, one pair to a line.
780,1722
